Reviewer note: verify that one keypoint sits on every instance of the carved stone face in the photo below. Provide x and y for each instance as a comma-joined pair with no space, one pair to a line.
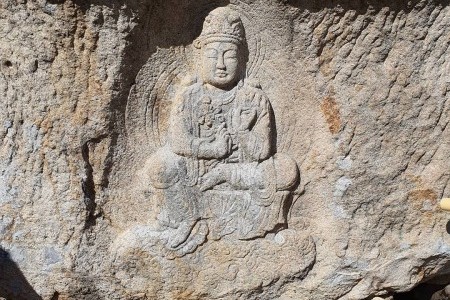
220,64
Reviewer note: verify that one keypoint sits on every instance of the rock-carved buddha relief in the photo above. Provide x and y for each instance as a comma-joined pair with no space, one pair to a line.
219,171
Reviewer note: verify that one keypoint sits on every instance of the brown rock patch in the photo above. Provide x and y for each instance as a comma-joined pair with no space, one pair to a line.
422,195
332,115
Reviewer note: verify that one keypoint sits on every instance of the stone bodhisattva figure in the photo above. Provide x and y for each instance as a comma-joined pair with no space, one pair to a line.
219,171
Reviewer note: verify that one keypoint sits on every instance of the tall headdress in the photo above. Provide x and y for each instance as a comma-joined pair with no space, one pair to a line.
221,25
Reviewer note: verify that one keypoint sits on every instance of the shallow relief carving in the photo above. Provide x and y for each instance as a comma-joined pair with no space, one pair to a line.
221,189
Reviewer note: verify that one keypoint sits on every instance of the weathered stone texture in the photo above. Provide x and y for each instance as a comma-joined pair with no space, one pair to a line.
360,95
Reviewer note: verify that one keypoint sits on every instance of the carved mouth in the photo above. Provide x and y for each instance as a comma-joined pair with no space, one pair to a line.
221,74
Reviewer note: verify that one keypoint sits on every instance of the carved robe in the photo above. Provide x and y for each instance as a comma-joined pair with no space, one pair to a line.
248,203
196,116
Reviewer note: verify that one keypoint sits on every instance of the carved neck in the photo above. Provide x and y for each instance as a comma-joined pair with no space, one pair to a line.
219,92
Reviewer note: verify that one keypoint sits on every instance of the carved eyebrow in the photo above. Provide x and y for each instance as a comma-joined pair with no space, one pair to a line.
231,51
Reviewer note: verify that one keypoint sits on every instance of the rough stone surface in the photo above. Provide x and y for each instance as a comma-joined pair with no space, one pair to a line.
352,102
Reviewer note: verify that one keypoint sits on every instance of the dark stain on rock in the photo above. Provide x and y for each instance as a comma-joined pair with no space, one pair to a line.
418,198
422,195
332,115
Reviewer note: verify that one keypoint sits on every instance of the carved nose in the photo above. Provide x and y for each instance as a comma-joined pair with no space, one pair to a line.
220,64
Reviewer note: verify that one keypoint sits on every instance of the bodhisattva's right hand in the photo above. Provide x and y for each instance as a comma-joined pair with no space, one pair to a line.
222,142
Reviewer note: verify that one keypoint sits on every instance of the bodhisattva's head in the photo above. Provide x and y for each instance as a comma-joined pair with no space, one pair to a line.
222,42
220,66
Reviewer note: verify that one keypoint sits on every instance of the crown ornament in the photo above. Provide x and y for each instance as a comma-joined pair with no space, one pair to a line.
221,25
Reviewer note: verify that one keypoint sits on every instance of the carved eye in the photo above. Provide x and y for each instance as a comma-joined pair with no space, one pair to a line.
211,53
230,54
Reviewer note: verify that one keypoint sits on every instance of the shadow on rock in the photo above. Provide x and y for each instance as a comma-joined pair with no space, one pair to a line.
426,291
448,227
13,284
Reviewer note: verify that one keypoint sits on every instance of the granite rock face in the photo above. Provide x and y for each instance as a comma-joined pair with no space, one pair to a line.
242,149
